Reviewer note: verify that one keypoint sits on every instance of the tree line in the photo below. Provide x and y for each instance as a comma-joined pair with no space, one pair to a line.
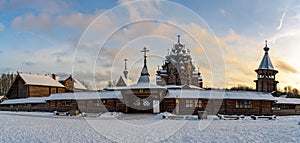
6,80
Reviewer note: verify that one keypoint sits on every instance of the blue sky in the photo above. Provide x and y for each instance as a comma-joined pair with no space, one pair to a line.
226,37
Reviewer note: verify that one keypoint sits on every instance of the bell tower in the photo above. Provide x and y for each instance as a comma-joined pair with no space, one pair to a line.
266,81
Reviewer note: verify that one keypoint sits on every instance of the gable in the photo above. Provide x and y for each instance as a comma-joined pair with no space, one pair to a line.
40,80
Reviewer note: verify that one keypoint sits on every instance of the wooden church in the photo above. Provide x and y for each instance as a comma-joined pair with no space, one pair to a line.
177,90
266,81
178,68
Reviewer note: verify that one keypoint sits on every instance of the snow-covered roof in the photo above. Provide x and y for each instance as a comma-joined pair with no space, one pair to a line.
172,86
42,80
219,94
78,85
86,95
62,78
126,80
141,85
25,100
280,100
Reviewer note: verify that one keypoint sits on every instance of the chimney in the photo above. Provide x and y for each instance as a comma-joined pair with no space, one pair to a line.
54,76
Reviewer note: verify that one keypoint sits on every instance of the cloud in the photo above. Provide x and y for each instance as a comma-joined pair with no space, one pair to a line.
42,6
44,22
281,21
283,66
31,21
138,9
1,27
76,20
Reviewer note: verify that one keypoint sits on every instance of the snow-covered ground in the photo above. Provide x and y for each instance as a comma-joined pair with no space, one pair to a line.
118,127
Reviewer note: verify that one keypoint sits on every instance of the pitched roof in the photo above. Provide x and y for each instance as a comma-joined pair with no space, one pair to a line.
62,78
127,81
42,80
219,94
266,63
281,100
144,75
77,83
25,100
86,95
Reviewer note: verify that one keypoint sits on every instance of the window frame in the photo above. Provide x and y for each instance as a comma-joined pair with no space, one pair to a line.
198,103
189,103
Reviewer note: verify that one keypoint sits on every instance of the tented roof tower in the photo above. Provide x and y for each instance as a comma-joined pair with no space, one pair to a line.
266,74
144,74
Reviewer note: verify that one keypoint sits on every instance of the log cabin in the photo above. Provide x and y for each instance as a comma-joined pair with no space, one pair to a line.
188,102
25,104
30,85
286,106
72,84
90,102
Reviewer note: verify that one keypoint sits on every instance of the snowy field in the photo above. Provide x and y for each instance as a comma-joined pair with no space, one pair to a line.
45,127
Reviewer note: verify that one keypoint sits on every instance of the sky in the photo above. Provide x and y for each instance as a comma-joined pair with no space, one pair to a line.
90,39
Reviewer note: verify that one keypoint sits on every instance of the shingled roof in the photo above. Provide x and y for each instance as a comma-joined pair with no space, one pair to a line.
266,61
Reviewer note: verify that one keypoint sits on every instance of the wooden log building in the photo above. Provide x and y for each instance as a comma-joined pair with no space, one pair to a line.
91,102
30,85
71,84
286,106
188,102
144,97
25,104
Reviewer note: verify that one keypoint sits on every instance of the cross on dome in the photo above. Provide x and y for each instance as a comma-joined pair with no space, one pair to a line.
125,61
145,51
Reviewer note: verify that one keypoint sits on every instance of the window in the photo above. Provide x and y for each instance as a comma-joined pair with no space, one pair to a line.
243,104
66,103
141,91
97,102
198,103
247,104
189,103
239,104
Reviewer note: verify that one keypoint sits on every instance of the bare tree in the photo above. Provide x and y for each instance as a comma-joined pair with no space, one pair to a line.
6,80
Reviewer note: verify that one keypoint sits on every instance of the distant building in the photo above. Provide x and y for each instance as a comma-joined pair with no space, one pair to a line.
266,81
178,69
30,85
72,84
124,80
